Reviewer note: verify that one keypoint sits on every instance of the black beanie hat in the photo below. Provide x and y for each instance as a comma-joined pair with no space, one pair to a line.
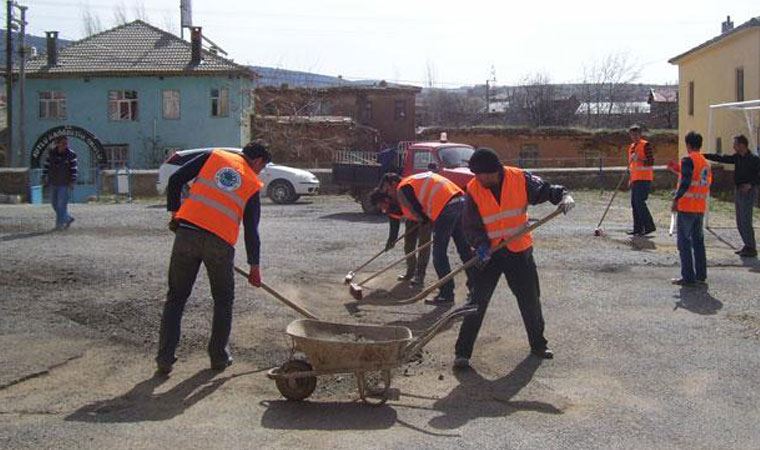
257,149
485,160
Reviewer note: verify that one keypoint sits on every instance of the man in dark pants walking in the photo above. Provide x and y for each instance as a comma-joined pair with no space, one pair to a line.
640,165
496,209
747,179
60,172
225,191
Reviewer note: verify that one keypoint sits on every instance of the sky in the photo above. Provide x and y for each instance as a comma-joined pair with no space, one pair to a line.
458,42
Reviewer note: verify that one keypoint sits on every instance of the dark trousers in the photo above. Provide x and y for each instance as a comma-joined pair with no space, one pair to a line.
691,247
417,263
642,218
448,226
191,248
745,202
522,277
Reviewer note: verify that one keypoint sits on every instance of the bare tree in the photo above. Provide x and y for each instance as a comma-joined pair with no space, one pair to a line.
139,10
430,74
605,86
120,14
535,98
91,21
169,23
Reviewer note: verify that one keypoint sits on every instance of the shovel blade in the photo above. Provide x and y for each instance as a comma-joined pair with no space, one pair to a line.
349,278
356,291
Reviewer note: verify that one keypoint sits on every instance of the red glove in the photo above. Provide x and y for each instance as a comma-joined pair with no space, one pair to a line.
254,276
673,167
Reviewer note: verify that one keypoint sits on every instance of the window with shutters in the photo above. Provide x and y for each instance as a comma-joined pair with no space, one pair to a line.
122,105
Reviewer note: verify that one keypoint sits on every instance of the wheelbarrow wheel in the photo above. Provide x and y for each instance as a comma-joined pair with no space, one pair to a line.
296,388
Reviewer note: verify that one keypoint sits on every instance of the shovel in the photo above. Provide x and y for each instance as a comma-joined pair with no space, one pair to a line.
474,260
350,275
599,231
355,289
295,306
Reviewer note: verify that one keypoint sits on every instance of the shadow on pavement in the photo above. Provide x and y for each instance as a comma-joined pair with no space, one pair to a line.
425,320
355,217
142,404
326,416
477,397
398,295
698,301
14,237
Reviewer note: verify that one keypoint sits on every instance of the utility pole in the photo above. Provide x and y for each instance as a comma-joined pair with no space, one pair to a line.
9,80
21,82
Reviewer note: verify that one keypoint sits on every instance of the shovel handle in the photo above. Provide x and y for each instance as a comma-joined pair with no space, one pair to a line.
396,262
298,308
474,260
617,188
410,231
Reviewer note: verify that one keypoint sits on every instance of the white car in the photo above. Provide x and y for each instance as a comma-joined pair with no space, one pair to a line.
282,184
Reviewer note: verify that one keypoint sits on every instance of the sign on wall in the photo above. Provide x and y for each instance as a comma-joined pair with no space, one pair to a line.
47,138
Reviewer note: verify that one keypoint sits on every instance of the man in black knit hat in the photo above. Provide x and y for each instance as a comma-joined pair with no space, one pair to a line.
496,208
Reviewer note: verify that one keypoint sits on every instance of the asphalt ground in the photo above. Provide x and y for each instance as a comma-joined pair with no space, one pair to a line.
639,363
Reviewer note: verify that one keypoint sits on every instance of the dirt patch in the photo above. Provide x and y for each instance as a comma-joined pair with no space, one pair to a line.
749,321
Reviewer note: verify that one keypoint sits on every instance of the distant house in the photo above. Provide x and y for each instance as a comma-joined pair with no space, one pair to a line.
663,107
724,69
142,91
387,108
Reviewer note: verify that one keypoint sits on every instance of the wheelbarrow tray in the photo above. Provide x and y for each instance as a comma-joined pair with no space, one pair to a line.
338,347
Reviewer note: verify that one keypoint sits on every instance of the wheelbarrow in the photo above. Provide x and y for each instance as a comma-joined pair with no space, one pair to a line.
334,348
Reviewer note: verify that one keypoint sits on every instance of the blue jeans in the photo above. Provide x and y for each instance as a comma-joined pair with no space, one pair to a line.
642,218
448,226
691,247
745,202
59,199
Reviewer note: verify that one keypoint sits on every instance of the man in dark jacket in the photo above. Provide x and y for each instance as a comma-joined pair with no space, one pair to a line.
747,179
60,173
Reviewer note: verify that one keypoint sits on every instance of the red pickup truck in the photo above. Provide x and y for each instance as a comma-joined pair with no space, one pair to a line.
358,173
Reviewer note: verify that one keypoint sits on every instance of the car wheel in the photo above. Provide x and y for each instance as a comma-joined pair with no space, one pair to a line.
282,192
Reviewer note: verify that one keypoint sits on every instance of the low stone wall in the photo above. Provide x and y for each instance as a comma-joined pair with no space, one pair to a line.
143,182
14,181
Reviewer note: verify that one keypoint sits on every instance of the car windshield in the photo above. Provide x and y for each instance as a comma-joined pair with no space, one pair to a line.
453,157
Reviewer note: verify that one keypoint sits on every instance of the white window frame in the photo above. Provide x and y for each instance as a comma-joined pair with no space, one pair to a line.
220,102
52,105
171,103
123,159
123,105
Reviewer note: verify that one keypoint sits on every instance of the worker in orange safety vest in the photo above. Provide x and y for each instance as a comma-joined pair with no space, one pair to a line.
690,203
224,192
640,166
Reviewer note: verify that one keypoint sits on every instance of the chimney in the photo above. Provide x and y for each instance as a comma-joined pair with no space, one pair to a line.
52,48
195,42
726,26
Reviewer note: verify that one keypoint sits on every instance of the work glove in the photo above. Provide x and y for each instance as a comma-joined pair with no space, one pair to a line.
173,225
483,252
389,244
566,204
254,276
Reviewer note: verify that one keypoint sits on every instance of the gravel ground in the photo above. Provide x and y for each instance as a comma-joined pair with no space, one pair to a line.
639,363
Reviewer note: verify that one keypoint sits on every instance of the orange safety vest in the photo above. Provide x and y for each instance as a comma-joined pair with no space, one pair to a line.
510,215
695,198
218,196
636,157
432,191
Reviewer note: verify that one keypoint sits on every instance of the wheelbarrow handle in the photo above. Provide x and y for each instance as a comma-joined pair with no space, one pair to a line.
366,263
474,260
426,336
293,305
396,262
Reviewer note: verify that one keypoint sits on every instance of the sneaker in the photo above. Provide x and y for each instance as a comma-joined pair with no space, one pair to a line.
68,223
460,362
163,369
220,366
404,277
438,300
417,280
740,251
682,282
543,353
748,253
648,232
632,233
702,283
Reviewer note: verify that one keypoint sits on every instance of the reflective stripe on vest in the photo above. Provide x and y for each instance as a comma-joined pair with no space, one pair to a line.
219,194
432,191
636,157
694,200
509,216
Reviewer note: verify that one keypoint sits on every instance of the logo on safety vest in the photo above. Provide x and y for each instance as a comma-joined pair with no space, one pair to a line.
228,179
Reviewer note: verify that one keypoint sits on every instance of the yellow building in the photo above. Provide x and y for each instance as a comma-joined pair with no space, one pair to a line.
725,69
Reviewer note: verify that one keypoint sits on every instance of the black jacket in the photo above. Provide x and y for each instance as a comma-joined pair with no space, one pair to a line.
60,169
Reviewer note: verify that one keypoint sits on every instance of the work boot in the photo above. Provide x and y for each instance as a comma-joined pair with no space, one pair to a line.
650,231
740,251
220,366
682,282
748,253
544,353
405,277
460,362
163,369
439,300
417,280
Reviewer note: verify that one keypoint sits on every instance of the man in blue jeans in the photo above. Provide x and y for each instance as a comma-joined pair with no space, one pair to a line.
60,173
690,203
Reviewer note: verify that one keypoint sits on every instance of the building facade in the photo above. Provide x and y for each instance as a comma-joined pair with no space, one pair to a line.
141,91
724,69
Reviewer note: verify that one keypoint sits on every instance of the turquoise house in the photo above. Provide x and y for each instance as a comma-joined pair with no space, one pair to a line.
141,91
